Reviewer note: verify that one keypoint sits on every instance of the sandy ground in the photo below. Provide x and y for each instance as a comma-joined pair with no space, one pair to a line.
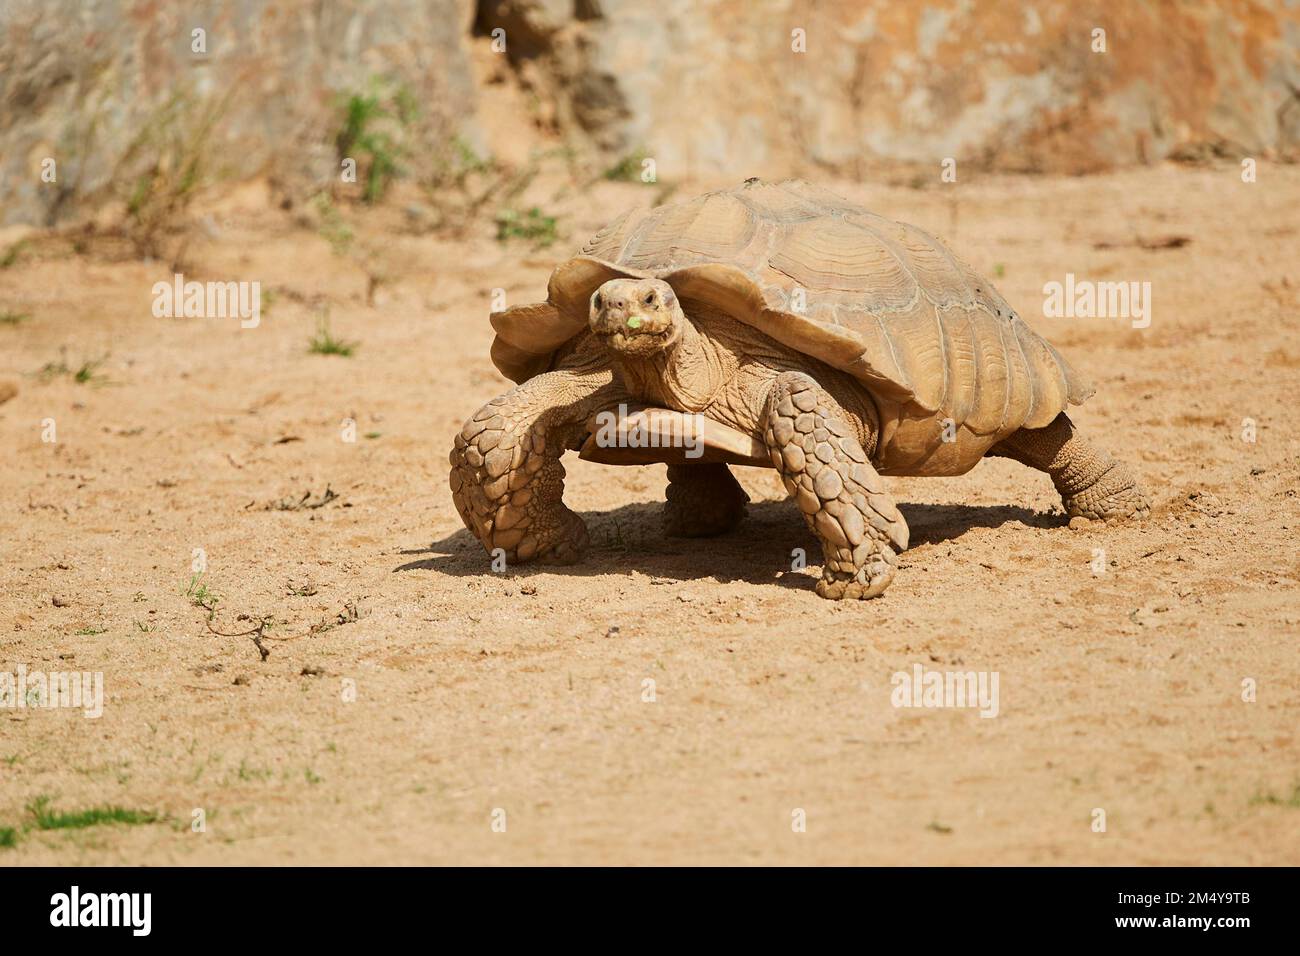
478,691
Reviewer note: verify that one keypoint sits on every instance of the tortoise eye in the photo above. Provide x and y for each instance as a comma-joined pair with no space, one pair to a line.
649,299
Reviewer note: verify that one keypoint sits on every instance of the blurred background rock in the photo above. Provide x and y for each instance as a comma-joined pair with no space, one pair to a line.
138,114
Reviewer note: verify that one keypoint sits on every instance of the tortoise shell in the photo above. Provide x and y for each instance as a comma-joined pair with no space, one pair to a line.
950,364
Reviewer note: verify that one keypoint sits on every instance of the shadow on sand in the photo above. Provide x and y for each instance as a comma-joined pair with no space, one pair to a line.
758,552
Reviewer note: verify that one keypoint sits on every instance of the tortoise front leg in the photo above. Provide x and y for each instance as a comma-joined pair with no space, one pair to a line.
842,498
506,477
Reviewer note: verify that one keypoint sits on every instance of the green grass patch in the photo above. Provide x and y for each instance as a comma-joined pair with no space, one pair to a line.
87,373
14,253
628,169
8,838
49,819
369,132
14,318
200,595
333,228
1273,800
324,342
532,225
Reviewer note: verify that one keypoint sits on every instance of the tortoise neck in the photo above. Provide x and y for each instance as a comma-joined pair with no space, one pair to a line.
686,376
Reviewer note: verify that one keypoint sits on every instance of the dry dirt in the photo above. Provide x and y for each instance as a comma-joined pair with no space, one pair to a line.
524,691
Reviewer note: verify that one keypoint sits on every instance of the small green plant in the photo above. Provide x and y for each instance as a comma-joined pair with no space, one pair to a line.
324,342
145,627
358,138
201,595
90,631
87,373
247,773
47,819
14,253
13,318
1273,800
8,838
628,169
460,185
164,167
999,270
333,228
533,225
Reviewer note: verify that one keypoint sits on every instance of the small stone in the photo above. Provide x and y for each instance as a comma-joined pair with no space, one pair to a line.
58,601
1079,523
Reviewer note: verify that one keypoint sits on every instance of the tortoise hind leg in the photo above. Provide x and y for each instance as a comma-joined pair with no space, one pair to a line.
703,500
1091,483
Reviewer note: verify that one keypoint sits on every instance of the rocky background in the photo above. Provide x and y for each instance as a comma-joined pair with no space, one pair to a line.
129,101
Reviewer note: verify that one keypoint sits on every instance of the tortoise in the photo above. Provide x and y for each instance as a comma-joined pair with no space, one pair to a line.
775,325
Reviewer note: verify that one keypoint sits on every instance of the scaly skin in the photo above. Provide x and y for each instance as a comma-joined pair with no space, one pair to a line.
506,476
1091,483
842,498
703,500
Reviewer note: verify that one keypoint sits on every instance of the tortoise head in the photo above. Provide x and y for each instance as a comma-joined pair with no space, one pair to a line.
636,316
